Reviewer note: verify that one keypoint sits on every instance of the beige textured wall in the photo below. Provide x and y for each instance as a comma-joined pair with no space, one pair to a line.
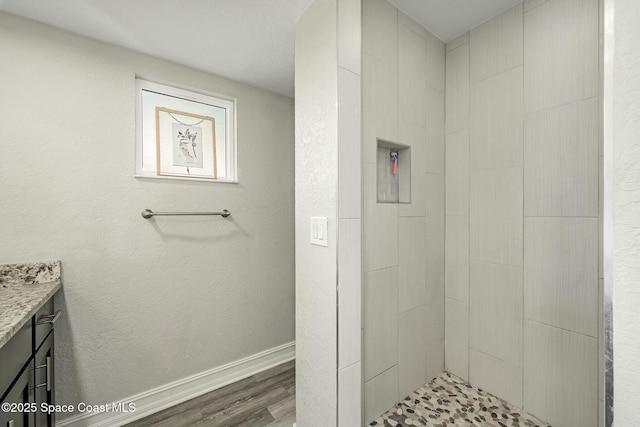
145,302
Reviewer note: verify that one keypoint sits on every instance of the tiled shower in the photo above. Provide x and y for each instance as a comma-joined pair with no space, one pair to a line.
488,267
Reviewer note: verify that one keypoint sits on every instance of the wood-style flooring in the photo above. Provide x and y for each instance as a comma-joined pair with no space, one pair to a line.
267,399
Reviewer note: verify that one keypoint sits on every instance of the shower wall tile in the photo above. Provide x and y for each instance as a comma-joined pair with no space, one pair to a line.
412,260
435,62
349,132
380,321
457,258
561,160
379,104
414,136
435,359
350,291
349,35
458,41
435,216
560,376
561,273
496,376
457,89
407,21
560,53
412,84
457,338
434,158
350,392
380,226
380,29
412,351
496,216
457,172
418,205
380,394
435,301
601,218
601,342
495,311
496,45
496,139
530,4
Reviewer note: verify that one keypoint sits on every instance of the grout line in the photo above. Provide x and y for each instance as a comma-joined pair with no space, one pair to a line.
559,328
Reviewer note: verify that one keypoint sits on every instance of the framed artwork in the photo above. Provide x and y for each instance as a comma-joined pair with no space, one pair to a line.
185,144
184,134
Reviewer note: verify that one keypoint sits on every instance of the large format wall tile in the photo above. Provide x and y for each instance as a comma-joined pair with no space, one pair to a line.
412,83
561,160
457,42
412,260
496,216
435,216
380,29
457,89
457,338
561,273
457,172
380,240
560,53
349,135
496,122
350,392
350,291
380,321
435,359
380,394
457,258
496,45
350,35
435,63
496,376
412,351
435,132
379,104
495,311
435,301
560,376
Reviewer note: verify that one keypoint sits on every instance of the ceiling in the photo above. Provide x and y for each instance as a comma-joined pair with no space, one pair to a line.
251,41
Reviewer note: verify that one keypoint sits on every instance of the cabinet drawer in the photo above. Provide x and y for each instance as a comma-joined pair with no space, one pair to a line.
13,356
43,326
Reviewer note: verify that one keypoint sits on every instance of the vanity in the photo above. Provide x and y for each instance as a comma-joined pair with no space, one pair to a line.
27,320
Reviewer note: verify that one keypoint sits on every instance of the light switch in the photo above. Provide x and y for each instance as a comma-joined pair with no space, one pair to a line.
319,230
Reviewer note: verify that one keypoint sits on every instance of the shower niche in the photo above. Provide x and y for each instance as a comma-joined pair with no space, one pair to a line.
393,172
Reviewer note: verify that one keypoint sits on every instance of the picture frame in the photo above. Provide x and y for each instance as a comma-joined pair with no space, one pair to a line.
185,144
157,150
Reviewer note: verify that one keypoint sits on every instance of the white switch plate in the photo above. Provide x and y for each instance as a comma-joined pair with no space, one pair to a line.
319,230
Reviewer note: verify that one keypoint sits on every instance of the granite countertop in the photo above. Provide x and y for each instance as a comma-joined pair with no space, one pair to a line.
24,289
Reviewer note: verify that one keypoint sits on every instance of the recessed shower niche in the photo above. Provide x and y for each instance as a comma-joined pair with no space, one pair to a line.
393,172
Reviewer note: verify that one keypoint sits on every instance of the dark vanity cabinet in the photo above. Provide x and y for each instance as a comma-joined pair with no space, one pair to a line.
27,372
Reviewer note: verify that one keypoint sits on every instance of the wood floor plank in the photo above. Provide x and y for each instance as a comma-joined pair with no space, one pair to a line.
265,399
288,367
244,408
284,408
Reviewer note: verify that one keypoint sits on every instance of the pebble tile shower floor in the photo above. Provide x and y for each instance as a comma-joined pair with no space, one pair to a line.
449,401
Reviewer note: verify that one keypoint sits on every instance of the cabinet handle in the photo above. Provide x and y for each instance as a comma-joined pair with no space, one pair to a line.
49,372
50,319
47,383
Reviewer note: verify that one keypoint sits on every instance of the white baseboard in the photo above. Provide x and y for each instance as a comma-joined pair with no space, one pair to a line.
168,395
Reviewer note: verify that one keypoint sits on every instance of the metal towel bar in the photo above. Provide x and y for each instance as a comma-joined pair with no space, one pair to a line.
148,213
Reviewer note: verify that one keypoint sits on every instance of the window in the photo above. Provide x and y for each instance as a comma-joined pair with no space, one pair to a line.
182,134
